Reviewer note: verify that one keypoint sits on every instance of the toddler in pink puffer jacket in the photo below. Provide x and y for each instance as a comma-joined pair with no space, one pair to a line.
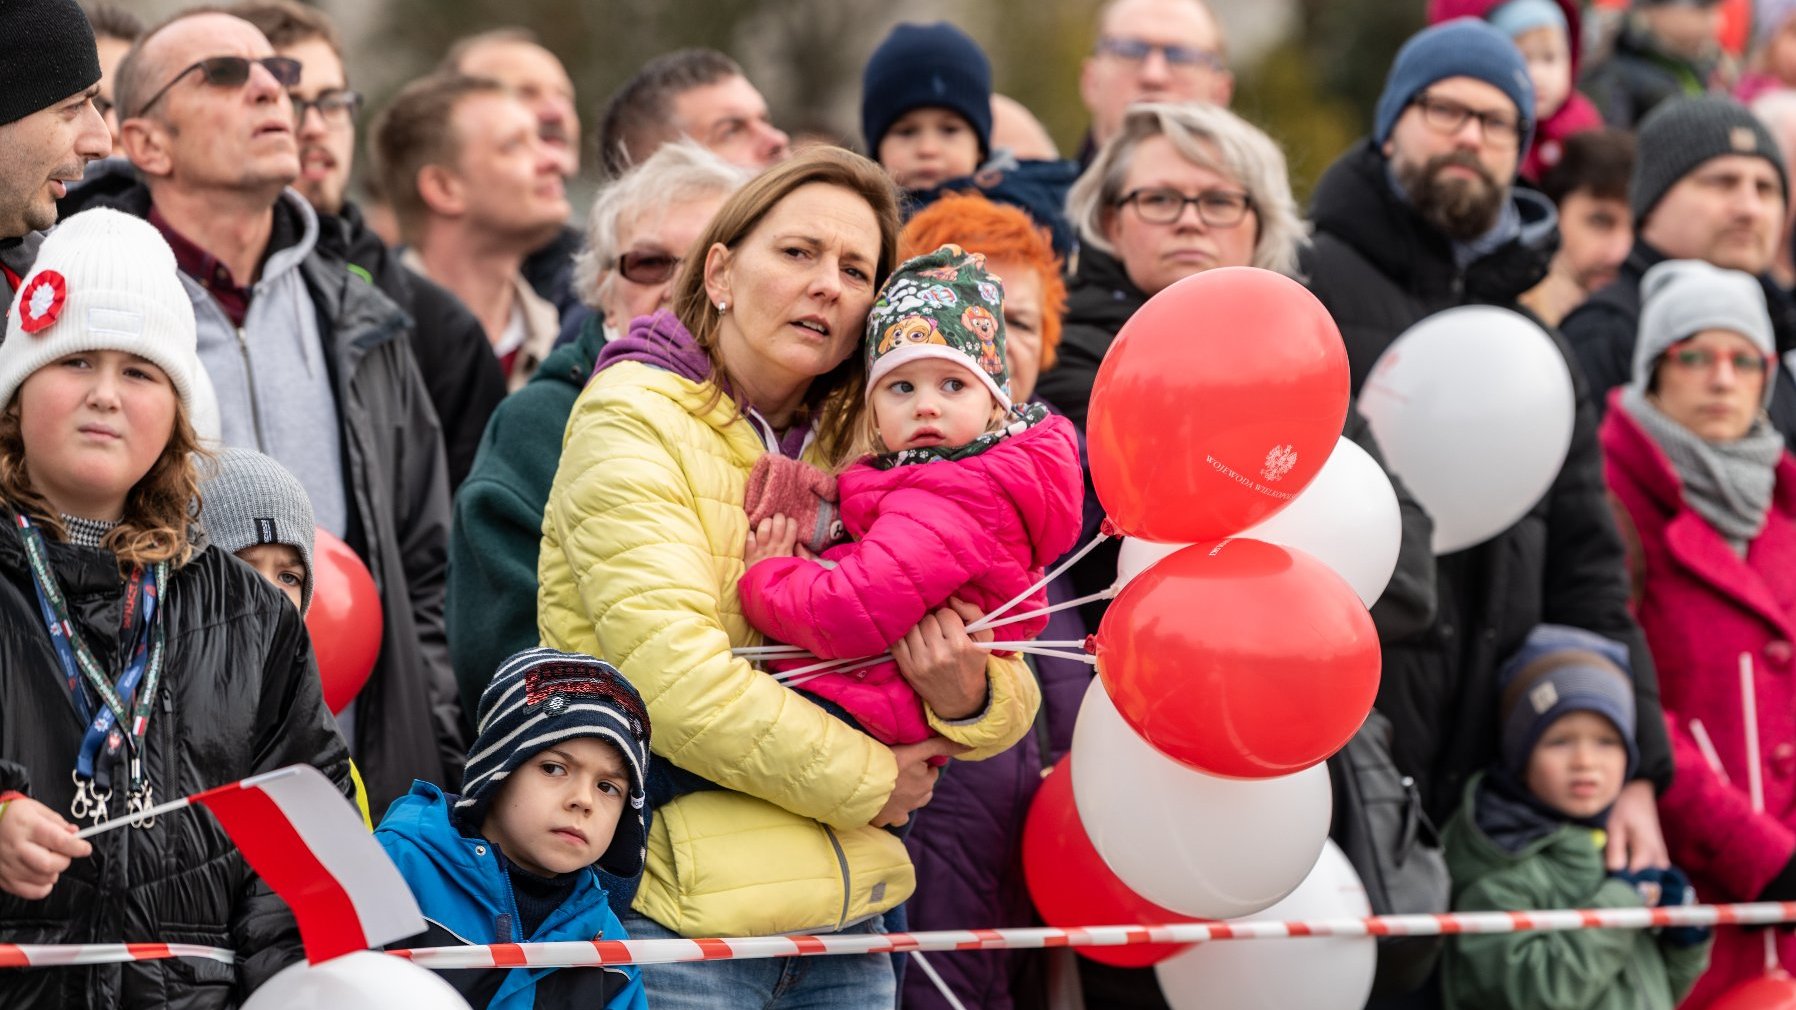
965,496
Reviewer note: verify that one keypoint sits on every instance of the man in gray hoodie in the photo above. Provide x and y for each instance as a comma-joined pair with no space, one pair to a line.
311,364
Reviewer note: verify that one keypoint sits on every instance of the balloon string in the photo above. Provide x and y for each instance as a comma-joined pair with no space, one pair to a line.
940,985
988,622
1102,594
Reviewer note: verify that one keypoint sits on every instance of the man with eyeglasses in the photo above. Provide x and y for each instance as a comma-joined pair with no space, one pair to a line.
1421,217
1709,184
49,128
459,369
1151,51
311,364
475,191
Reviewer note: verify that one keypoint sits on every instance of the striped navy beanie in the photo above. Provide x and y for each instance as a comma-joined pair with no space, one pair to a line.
1557,671
541,697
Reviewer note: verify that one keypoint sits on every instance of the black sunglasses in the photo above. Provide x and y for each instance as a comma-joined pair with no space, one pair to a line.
232,72
647,267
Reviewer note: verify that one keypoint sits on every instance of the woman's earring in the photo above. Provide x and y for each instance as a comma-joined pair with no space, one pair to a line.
723,306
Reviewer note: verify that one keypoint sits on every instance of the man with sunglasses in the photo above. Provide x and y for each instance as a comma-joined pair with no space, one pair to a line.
1151,51
1709,184
476,191
459,369
49,128
311,364
1420,217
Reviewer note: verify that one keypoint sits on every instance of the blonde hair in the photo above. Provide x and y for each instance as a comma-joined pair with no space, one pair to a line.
159,508
833,402
1211,137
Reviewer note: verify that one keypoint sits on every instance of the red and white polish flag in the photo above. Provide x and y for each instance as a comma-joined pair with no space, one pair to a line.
295,829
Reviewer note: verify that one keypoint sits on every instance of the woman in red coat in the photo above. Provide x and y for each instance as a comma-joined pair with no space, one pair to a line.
1706,497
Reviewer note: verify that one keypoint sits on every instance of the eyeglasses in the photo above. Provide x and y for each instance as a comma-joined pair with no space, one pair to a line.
1177,57
336,108
231,72
1449,117
643,267
1704,359
1218,208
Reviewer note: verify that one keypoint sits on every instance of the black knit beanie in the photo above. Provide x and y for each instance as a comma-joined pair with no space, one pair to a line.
47,54
1682,133
926,66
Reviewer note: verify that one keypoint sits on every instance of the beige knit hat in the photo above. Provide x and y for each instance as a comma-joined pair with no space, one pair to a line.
103,281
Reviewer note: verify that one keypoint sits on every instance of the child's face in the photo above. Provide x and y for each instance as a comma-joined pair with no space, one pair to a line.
93,424
1577,765
281,565
930,401
558,811
1549,66
927,147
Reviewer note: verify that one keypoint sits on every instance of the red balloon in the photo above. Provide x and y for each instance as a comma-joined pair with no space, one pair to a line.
1072,886
1774,991
1240,658
345,620
1219,401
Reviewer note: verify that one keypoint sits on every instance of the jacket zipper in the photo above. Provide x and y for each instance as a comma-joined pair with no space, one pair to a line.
517,919
249,373
841,864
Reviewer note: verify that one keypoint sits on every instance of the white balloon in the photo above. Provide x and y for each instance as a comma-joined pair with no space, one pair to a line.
364,980
1139,555
1198,844
1473,408
1315,973
1347,519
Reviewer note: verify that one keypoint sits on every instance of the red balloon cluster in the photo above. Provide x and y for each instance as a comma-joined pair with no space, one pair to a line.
1070,884
1218,402
1240,658
344,620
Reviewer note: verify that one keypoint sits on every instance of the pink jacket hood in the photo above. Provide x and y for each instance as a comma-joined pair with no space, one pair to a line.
981,529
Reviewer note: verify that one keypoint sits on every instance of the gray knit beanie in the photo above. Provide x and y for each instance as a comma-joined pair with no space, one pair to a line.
249,499
1681,298
1682,133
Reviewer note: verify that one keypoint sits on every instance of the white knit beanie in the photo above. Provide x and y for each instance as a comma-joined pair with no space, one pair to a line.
103,281
1681,298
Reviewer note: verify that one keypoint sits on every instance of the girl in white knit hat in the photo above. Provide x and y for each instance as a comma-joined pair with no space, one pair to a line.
138,663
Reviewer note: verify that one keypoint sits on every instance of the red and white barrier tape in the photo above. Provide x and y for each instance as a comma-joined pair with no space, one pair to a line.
613,952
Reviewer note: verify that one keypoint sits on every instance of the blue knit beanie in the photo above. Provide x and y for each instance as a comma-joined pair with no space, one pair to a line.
541,697
1557,671
1462,47
1520,16
926,66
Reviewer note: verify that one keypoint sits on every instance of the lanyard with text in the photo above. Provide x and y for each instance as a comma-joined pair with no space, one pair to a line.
141,656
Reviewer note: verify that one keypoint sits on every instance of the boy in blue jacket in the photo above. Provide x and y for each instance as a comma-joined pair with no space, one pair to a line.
554,787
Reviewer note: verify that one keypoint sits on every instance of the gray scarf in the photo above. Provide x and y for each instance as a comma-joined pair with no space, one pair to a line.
1729,484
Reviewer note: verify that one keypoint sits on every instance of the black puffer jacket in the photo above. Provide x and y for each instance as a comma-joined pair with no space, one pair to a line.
453,354
1380,269
239,696
1100,299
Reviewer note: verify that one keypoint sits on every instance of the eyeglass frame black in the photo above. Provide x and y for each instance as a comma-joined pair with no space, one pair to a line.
672,269
1133,196
302,105
270,63
1423,100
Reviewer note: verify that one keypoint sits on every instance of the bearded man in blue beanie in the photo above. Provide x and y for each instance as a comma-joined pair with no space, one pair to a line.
1423,216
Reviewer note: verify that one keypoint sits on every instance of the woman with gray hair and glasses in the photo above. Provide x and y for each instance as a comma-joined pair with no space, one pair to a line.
641,228
1181,189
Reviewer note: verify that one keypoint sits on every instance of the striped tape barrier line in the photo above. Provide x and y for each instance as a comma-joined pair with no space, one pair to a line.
614,952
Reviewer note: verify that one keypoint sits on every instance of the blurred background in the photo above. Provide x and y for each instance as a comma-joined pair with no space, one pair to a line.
1308,71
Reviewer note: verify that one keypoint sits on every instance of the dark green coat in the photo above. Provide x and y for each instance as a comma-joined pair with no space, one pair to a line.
1586,969
497,532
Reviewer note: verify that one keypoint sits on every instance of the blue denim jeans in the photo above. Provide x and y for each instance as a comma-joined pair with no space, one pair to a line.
819,982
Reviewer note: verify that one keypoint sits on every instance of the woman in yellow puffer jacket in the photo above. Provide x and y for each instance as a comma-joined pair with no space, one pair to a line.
772,816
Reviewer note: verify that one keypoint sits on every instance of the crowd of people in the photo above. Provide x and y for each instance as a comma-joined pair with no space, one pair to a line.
776,393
